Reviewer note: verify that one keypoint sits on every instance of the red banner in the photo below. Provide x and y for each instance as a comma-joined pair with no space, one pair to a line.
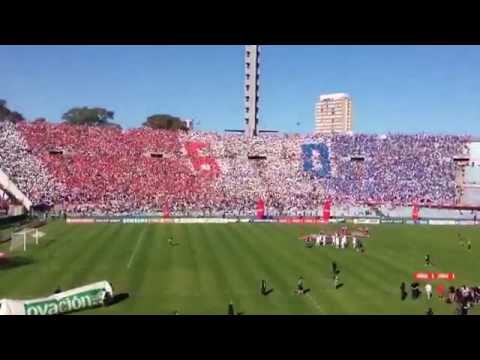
416,213
260,209
326,211
166,211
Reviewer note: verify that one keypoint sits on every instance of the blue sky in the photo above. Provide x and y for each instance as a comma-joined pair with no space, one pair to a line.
434,89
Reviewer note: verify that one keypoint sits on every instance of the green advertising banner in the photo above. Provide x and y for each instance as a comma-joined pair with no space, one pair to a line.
84,297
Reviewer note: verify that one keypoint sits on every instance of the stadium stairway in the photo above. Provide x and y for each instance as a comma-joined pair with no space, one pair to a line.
378,212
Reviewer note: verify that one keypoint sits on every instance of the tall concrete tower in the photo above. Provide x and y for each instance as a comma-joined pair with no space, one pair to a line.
252,77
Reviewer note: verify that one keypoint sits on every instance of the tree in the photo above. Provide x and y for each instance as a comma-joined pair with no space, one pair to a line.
165,121
8,115
88,116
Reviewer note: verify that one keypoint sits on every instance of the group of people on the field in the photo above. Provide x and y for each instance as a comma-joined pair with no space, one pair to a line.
463,295
339,239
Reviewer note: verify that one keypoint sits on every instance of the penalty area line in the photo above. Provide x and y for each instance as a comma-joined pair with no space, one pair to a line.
139,240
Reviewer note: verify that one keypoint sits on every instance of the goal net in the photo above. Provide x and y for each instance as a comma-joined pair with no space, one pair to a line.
25,239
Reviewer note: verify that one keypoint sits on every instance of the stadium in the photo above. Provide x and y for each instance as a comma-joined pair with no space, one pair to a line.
210,223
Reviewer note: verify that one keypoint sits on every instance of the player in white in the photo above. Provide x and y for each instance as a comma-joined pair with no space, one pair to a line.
354,242
317,240
324,240
344,242
428,291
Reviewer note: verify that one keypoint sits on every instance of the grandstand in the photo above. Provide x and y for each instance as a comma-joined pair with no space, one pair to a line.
92,170
115,180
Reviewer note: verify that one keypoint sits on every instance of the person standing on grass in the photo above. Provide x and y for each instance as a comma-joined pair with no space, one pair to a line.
428,261
264,287
231,310
469,245
334,269
403,291
441,291
428,290
336,281
360,246
300,288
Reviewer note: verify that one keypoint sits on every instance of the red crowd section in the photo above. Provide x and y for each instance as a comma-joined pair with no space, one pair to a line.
111,170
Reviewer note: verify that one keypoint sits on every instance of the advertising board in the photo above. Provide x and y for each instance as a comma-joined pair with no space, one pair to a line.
441,222
366,221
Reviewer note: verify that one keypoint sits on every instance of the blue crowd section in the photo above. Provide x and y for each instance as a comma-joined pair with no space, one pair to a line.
316,159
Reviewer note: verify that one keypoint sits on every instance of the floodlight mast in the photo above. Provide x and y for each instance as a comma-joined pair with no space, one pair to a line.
251,89
252,84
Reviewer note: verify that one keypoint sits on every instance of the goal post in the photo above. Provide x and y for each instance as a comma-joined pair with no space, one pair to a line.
25,238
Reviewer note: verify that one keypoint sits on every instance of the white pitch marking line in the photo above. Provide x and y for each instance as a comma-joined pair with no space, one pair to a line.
139,240
314,302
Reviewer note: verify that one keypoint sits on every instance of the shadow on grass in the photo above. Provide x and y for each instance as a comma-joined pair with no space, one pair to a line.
118,298
339,286
15,262
269,291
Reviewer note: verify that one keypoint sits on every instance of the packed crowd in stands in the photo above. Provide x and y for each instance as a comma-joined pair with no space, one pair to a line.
93,170
30,175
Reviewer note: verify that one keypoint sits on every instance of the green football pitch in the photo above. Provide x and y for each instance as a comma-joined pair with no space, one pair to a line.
213,264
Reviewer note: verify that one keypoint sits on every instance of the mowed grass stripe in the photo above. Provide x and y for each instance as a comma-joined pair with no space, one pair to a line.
222,289
257,264
319,260
282,278
250,270
58,260
216,263
209,302
166,279
277,273
138,288
90,250
313,268
200,272
106,262
112,267
225,259
175,282
322,295
261,239
370,268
